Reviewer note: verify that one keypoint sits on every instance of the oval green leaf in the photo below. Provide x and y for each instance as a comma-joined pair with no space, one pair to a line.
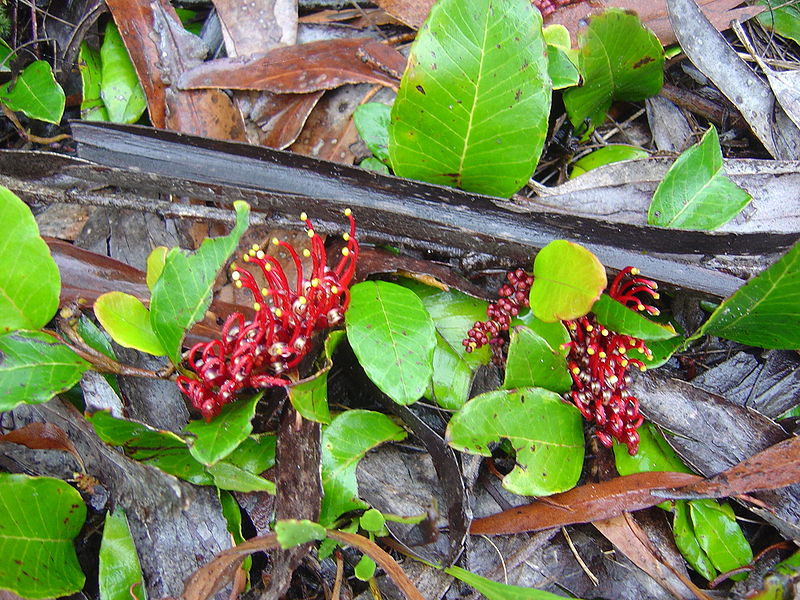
719,535
393,338
618,317
119,88
39,517
309,397
473,106
345,442
119,574
452,376
532,362
35,93
567,280
654,454
372,121
605,156
29,279
619,59
686,541
696,193
215,440
764,312
292,532
493,590
90,67
34,367
155,265
364,569
127,321
230,477
182,294
546,432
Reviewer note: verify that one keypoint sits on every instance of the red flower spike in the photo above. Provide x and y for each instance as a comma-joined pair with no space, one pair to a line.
257,353
597,359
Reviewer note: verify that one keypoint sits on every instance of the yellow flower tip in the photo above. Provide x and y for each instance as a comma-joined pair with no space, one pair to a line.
246,258
656,312
347,212
233,266
302,300
268,267
345,252
303,216
590,351
334,290
256,306
589,328
278,313
604,332
315,282
256,247
635,271
622,349
236,276
643,368
260,255
623,363
251,252
656,296
265,292
306,252
276,242
612,380
473,345
640,307
601,354
238,284
346,237
310,233
575,370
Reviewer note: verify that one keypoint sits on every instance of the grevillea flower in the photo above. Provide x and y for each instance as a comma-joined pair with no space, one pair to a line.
261,352
597,358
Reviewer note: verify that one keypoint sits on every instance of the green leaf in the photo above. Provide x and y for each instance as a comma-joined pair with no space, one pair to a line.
98,340
654,454
764,312
365,568
291,532
230,477
345,442
232,514
373,164
155,265
619,59
309,397
719,534
618,317
372,520
561,59
695,193
255,454
567,280
605,156
35,93
120,90
499,591
372,121
533,362
34,367
7,54
90,67
661,351
215,440
393,338
554,333
127,321
473,106
39,517
784,21
546,432
182,294
686,541
119,571
29,279
452,376
453,314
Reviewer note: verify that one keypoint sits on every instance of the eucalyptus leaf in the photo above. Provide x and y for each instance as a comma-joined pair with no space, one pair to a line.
546,432
567,280
216,439
34,367
765,311
36,93
619,59
120,90
532,362
493,590
127,321
372,122
90,67
473,105
119,572
29,279
345,442
695,193
39,517
393,338
182,294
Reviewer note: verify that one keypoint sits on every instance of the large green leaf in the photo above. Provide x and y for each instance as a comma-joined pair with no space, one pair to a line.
39,517
782,19
619,60
90,67
452,376
765,311
119,574
473,105
686,541
533,362
719,534
393,338
182,294
618,317
546,432
345,442
695,193
493,590
119,85
372,121
29,278
127,321
34,367
567,280
35,93
216,439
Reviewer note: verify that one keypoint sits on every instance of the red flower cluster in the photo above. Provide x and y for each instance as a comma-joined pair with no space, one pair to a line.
597,358
550,6
257,353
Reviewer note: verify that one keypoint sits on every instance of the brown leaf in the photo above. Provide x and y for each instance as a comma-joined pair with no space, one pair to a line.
584,504
281,117
42,436
302,68
256,25
161,49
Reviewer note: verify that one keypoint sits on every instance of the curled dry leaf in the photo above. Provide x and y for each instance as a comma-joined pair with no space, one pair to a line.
303,68
43,436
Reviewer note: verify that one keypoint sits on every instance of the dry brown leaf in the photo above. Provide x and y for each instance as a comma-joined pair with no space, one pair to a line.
42,436
281,117
257,25
302,68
